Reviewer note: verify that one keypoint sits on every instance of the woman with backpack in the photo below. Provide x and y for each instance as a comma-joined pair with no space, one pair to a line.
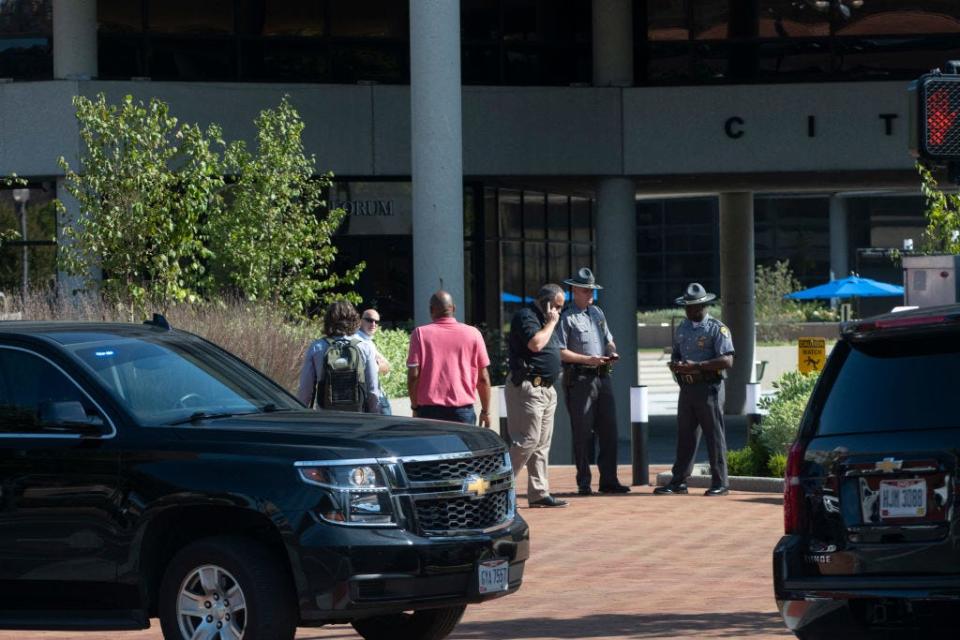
340,370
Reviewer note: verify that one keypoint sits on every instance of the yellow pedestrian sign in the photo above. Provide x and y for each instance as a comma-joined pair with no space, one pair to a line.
811,354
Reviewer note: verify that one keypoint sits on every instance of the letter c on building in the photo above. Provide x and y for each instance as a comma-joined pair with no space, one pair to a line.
728,126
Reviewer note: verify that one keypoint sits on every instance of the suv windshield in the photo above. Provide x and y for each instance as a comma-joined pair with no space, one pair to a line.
167,378
892,385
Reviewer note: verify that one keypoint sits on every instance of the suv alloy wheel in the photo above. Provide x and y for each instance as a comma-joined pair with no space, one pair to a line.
226,589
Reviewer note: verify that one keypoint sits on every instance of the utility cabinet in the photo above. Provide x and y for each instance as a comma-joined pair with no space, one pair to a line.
929,281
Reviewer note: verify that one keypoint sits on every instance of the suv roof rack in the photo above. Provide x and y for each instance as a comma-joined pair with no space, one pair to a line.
158,321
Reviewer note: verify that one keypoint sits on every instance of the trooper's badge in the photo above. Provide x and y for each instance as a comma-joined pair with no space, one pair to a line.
702,342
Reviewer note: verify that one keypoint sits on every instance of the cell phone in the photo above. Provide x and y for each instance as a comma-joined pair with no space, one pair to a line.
613,357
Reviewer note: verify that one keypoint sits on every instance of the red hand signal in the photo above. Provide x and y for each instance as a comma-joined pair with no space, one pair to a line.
940,118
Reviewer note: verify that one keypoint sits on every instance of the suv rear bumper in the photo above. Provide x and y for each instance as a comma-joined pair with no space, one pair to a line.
343,574
806,600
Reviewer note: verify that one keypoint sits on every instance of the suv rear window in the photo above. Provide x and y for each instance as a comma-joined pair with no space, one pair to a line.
892,385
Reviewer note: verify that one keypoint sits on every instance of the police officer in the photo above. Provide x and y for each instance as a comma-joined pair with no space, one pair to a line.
702,351
588,351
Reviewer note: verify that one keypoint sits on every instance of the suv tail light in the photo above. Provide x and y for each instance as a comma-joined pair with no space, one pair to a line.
792,493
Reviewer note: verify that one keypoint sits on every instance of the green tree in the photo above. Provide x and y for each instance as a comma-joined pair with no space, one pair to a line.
144,184
770,286
274,238
942,234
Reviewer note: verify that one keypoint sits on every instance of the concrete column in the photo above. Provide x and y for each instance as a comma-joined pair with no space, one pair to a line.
69,284
437,153
74,39
612,43
839,238
617,272
737,273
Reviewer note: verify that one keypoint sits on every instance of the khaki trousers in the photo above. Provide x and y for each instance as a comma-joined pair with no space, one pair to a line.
530,412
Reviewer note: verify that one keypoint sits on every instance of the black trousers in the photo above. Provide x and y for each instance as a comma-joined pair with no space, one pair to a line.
590,403
700,408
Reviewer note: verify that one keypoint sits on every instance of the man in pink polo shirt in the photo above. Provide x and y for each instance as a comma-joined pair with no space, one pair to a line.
447,367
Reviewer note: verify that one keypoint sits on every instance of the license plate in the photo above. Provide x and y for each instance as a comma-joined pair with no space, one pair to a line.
494,576
903,498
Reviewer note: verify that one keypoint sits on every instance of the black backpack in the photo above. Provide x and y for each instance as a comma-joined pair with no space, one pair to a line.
342,385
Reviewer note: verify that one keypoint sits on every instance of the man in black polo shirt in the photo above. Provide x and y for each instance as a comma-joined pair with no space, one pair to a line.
530,394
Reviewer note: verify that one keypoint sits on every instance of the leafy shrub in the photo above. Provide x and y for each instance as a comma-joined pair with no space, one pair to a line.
784,411
777,465
393,345
748,461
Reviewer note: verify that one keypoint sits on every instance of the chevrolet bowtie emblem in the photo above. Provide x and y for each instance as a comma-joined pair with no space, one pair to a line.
476,485
889,465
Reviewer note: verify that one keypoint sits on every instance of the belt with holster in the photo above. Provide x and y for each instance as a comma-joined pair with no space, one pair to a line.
536,379
602,370
700,376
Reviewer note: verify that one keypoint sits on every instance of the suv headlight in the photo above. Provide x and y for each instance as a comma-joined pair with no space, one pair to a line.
358,493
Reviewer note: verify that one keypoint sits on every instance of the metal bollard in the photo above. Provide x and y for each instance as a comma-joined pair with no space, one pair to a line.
753,408
502,399
640,434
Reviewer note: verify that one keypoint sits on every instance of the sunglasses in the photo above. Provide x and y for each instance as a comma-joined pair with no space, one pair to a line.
371,320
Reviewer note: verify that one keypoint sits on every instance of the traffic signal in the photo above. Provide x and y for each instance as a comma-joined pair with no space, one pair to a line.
935,118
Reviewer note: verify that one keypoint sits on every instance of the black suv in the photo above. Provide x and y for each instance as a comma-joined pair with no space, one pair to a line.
145,472
870,503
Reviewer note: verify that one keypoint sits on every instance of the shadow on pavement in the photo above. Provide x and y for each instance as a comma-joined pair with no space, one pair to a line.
654,625
776,500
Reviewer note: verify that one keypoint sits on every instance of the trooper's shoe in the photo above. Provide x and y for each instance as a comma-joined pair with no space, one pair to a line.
615,488
671,489
548,501
716,491
584,491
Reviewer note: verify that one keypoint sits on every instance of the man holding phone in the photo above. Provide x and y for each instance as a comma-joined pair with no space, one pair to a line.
588,352
530,393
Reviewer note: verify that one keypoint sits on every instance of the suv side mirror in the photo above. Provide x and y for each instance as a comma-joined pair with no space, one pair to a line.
69,416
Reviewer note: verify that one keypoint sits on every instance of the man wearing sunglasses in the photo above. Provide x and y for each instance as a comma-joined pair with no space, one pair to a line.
369,325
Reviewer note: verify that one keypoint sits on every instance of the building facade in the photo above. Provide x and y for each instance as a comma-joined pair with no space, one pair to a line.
658,141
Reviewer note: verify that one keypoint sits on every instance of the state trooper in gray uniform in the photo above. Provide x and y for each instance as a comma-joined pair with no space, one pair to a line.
702,351
588,351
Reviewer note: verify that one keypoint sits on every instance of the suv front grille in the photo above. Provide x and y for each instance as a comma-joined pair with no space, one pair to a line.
460,494
434,470
446,514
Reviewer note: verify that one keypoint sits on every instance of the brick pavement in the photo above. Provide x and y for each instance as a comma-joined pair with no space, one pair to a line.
617,568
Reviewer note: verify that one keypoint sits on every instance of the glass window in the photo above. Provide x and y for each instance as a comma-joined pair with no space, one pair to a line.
41,250
581,220
534,215
511,268
893,57
891,18
119,16
480,20
33,391
669,62
26,58
710,19
667,20
368,19
192,59
891,385
183,17
121,57
286,60
535,267
800,59
792,19
283,18
481,65
558,217
581,255
21,17
545,20
558,262
510,220
380,62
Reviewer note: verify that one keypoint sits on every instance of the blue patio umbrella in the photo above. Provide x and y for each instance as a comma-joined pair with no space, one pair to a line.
850,287
512,297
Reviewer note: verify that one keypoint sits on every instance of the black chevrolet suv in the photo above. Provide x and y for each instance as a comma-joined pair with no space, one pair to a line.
872,544
146,472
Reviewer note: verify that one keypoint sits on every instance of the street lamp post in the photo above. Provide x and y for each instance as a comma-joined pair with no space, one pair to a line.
21,196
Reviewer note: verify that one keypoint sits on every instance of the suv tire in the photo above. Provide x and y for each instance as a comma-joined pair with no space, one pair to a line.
208,571
427,624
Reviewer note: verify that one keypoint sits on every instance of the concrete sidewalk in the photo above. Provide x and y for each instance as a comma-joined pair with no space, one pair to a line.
618,568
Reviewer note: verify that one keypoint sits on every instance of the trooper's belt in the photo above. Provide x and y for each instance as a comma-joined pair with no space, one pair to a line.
700,376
